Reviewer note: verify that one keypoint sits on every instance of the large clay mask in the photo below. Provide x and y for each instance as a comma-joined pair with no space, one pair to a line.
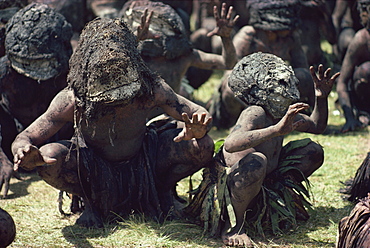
38,42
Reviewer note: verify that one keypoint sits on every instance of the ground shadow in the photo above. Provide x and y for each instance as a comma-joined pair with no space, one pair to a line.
20,187
78,235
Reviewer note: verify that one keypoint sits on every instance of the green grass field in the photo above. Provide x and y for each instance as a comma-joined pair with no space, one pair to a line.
34,207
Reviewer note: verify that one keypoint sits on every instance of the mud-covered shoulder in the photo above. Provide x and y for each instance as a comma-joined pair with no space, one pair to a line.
63,105
252,116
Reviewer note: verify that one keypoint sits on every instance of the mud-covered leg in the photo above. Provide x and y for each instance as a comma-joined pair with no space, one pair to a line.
244,182
62,175
312,159
65,175
177,160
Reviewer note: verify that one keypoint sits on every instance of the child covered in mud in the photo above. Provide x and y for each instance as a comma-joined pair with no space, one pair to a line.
253,153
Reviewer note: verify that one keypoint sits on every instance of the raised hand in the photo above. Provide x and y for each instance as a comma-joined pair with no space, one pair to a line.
225,23
322,81
287,124
29,157
194,127
143,31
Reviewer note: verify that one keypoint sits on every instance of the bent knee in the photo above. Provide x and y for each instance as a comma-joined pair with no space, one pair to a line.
55,149
251,170
316,152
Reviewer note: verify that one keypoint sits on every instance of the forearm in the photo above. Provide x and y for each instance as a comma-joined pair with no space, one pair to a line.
229,52
240,141
319,116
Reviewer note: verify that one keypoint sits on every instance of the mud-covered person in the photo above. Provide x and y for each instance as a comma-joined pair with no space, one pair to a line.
32,72
316,25
273,28
171,54
115,162
254,148
353,86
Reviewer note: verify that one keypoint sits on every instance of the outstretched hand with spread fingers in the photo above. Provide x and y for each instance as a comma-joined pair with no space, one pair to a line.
225,22
194,128
322,81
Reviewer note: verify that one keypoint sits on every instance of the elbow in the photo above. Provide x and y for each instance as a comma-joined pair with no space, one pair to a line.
228,146
231,147
320,129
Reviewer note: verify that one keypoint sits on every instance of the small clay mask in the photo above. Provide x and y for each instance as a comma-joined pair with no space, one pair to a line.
266,80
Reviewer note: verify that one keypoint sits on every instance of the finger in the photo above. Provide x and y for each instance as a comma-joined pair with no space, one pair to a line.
202,118
321,71
15,158
313,73
185,118
195,118
180,136
327,73
230,12
212,33
236,18
335,76
16,166
223,10
209,120
132,5
150,17
215,13
6,187
49,160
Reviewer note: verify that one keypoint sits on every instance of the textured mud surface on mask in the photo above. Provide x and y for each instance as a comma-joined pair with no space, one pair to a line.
38,42
106,66
274,15
173,41
266,80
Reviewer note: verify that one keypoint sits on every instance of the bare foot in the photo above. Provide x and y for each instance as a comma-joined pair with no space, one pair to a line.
236,239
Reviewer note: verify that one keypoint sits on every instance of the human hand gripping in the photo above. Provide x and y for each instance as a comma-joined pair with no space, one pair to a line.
194,127
225,23
322,81
287,124
29,157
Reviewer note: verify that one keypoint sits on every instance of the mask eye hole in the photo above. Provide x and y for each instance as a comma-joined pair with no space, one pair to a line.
282,82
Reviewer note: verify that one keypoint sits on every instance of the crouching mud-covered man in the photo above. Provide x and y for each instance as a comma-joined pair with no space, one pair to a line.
115,162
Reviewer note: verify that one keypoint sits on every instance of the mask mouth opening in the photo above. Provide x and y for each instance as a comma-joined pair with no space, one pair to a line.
40,68
117,95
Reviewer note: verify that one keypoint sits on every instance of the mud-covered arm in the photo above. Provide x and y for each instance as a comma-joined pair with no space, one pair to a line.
6,172
353,57
253,128
225,25
24,147
197,119
338,13
323,81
